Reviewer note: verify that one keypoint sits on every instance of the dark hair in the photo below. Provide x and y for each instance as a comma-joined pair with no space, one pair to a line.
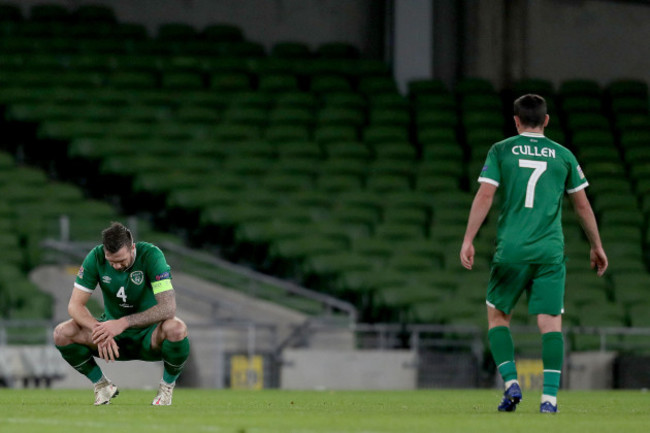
531,110
115,237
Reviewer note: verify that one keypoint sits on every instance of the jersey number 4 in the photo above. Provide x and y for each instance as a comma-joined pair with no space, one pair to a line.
121,294
538,167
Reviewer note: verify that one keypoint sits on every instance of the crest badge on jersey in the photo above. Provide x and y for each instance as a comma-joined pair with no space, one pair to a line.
137,277
582,175
80,274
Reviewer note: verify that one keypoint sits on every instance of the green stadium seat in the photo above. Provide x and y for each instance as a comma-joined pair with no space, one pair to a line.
287,133
247,116
412,216
323,84
389,101
299,149
291,116
373,135
400,151
296,100
373,85
230,82
389,117
181,81
624,88
326,134
342,150
398,231
340,117
385,183
338,99
336,183
579,87
482,102
132,80
278,83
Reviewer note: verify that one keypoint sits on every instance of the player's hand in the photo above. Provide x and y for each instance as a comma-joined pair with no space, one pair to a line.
598,261
467,255
108,350
105,331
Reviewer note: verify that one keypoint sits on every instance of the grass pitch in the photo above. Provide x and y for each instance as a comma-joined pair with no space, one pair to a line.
267,411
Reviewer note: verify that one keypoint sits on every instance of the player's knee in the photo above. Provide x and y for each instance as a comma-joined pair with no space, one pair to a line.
174,329
62,334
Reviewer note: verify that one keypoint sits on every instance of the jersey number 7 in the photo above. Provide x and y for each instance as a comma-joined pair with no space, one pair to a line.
538,167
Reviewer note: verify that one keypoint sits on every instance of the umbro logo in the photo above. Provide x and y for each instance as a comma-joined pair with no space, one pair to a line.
106,279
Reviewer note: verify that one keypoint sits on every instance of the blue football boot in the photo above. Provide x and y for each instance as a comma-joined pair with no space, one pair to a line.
511,398
547,407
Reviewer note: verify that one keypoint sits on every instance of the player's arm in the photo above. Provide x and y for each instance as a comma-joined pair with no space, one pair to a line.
78,311
163,310
590,226
480,208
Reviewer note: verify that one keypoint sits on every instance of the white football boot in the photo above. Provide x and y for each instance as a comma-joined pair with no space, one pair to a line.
164,397
105,390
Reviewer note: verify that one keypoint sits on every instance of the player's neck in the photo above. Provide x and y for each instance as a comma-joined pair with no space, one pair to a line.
530,130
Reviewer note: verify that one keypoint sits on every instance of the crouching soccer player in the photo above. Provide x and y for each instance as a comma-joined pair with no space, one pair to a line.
139,314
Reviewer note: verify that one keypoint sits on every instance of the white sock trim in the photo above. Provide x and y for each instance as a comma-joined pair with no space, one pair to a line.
550,398
510,382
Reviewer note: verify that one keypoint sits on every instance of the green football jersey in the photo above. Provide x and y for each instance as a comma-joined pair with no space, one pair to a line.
533,173
130,291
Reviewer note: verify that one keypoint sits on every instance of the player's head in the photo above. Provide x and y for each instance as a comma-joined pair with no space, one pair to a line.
119,248
531,111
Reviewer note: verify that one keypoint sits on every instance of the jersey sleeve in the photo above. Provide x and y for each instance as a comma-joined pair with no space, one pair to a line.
491,173
576,179
158,271
88,275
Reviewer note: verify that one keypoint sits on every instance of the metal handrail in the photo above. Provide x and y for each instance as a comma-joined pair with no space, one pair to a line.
329,302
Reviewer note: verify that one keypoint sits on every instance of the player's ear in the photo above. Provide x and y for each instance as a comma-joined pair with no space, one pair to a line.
546,119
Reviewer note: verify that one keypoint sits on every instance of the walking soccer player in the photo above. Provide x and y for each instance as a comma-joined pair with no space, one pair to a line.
532,173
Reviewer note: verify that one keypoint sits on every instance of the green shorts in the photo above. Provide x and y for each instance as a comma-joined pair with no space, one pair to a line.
543,284
135,344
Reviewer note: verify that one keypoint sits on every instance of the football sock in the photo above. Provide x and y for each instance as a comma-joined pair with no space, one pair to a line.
81,358
503,352
174,355
552,358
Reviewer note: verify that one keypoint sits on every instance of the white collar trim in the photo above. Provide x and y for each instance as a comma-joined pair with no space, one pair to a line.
531,134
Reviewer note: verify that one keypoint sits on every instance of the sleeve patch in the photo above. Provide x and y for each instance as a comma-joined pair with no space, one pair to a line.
161,286
163,276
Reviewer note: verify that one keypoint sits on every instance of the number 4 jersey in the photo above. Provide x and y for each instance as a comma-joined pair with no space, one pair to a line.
130,291
533,173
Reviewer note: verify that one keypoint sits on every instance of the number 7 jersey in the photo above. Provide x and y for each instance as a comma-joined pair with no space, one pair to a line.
532,173
130,291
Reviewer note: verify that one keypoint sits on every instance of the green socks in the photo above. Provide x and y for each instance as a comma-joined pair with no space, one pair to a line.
503,352
81,358
174,355
553,358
